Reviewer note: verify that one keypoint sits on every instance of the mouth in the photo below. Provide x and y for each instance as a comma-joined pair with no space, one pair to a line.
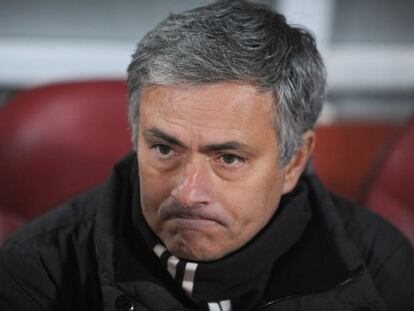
191,217
192,223
187,216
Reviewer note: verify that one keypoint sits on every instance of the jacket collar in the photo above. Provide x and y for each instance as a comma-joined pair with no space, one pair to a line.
240,277
323,246
323,258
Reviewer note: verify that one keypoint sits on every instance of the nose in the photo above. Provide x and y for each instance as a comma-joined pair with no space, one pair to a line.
193,185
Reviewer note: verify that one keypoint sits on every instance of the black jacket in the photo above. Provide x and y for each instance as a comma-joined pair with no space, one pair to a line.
85,255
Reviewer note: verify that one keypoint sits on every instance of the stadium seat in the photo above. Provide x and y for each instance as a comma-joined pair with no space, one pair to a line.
391,190
59,140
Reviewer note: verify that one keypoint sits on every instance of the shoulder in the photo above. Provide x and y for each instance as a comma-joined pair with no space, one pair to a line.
67,218
388,255
53,258
79,213
53,237
37,259
373,235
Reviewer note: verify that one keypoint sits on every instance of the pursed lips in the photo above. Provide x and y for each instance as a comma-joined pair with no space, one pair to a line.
198,213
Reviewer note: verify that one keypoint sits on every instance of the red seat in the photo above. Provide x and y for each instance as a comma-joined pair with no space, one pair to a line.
59,140
9,222
337,144
391,193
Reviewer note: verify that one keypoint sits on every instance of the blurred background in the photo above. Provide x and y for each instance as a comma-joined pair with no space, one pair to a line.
368,48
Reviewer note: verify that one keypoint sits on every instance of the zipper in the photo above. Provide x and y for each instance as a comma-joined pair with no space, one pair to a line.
355,275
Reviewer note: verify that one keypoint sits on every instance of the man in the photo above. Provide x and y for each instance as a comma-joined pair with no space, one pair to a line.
217,209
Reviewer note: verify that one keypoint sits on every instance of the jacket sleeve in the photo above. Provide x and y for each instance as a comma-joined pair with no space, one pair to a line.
25,284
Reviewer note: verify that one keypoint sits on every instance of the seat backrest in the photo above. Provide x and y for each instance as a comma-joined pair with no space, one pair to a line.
59,140
345,152
391,191
9,222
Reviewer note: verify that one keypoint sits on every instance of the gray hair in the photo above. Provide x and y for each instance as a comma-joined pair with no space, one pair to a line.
237,41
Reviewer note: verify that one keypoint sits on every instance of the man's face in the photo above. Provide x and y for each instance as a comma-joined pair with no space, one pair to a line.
208,166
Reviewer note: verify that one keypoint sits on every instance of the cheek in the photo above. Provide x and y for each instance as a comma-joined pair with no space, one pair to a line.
252,202
251,207
154,190
153,182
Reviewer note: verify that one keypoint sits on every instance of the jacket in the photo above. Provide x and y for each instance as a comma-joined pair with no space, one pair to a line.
85,255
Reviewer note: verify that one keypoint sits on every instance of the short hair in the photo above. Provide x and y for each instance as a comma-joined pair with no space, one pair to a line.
235,41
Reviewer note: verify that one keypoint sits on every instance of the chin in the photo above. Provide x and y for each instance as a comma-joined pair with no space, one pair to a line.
192,250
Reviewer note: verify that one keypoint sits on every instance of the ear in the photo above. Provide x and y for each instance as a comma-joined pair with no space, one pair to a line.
298,162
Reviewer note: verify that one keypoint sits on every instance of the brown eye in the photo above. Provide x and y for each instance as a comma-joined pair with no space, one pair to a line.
163,149
231,160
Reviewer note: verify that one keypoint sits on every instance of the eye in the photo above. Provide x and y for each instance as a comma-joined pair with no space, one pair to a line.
231,160
163,151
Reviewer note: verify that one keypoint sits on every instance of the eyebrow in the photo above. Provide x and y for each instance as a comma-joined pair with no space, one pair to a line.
154,132
229,145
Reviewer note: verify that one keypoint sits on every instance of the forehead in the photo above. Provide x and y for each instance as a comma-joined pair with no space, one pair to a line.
219,105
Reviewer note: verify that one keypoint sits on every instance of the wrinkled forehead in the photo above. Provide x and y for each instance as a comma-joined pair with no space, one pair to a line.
212,105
